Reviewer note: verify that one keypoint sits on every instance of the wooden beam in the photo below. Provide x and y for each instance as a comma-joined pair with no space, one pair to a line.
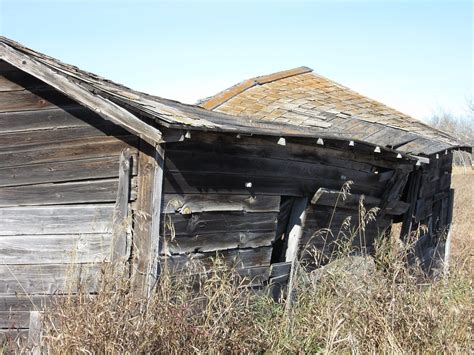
294,232
34,333
156,215
146,231
120,220
75,91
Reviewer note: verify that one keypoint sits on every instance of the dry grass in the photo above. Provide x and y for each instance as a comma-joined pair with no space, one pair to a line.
374,306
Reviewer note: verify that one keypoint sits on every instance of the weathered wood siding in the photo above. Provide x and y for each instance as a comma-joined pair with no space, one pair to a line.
432,197
59,166
223,194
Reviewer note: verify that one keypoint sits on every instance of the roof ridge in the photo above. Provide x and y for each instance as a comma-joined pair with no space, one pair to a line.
218,99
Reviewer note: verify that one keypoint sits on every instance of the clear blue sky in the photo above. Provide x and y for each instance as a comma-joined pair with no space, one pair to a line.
416,56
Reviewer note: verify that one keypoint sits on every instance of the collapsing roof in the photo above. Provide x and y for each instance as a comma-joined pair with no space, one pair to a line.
291,103
303,98
130,108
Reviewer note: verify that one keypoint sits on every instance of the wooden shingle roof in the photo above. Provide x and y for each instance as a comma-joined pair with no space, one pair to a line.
322,106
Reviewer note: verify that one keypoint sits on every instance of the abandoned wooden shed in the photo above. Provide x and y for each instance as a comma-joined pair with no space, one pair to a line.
94,172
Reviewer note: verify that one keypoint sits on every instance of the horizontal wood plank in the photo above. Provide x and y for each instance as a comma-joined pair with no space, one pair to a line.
238,258
9,302
26,100
223,183
69,219
48,278
189,161
14,320
54,249
36,139
192,203
213,222
62,171
92,191
51,118
217,241
94,147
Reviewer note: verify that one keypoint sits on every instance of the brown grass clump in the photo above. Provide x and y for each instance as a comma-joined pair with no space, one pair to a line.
355,304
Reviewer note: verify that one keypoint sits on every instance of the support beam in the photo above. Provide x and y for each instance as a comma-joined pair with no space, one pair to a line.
294,233
146,229
120,220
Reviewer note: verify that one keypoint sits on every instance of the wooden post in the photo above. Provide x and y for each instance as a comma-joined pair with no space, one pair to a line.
119,228
34,333
449,225
294,232
147,221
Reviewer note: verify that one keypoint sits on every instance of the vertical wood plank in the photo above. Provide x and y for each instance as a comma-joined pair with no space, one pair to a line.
294,232
119,227
34,333
146,228
295,228
156,215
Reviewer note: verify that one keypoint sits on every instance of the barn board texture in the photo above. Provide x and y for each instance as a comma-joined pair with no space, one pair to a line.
59,170
230,196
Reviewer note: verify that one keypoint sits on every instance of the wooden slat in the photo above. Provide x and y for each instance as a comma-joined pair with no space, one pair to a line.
218,241
52,118
234,258
48,278
94,147
298,150
19,302
279,269
14,320
192,203
223,183
213,222
332,198
185,161
17,80
56,219
12,335
93,191
54,249
61,171
120,218
29,139
25,100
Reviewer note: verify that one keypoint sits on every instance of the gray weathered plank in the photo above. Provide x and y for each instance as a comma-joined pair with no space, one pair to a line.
61,171
192,203
217,241
25,100
56,219
52,118
54,249
92,191
94,147
31,139
120,221
214,222
234,258
48,278
14,319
